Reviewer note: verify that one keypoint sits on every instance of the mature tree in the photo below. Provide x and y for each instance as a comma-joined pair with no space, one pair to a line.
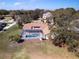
4,12
64,35
76,15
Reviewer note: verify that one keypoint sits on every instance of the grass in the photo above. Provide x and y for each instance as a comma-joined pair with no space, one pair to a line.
45,49
4,37
29,49
21,55
5,48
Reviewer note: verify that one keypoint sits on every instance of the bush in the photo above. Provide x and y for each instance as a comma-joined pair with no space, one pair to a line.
14,38
72,45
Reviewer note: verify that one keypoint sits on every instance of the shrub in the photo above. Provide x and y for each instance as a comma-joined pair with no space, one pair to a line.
14,38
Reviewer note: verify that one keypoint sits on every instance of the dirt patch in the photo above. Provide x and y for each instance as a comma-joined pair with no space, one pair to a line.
39,50
45,50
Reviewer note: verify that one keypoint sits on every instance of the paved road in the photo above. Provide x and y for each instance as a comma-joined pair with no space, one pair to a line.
9,26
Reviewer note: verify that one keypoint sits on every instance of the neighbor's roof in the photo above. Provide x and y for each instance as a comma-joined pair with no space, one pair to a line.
43,26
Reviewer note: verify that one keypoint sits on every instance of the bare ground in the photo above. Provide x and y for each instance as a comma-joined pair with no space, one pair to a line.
43,50
39,50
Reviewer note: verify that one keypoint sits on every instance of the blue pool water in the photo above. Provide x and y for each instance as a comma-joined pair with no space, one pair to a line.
32,35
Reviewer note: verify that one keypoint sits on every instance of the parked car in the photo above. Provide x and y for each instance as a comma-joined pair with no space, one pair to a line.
2,25
1,28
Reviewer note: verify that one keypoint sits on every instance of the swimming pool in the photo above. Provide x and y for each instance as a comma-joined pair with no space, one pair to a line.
30,34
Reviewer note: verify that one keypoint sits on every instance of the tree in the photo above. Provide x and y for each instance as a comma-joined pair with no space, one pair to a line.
76,15
63,17
4,12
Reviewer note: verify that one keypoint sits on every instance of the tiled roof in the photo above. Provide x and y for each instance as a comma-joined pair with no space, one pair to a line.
42,26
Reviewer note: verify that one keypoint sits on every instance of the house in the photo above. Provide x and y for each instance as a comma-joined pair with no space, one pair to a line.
47,15
35,31
8,17
48,18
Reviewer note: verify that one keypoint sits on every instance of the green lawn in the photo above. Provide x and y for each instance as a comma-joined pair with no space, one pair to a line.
4,37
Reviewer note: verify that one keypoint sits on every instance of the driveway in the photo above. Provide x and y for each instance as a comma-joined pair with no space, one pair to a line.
9,26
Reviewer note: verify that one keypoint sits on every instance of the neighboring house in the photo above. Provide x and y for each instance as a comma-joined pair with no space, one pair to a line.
47,15
48,18
35,30
8,19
